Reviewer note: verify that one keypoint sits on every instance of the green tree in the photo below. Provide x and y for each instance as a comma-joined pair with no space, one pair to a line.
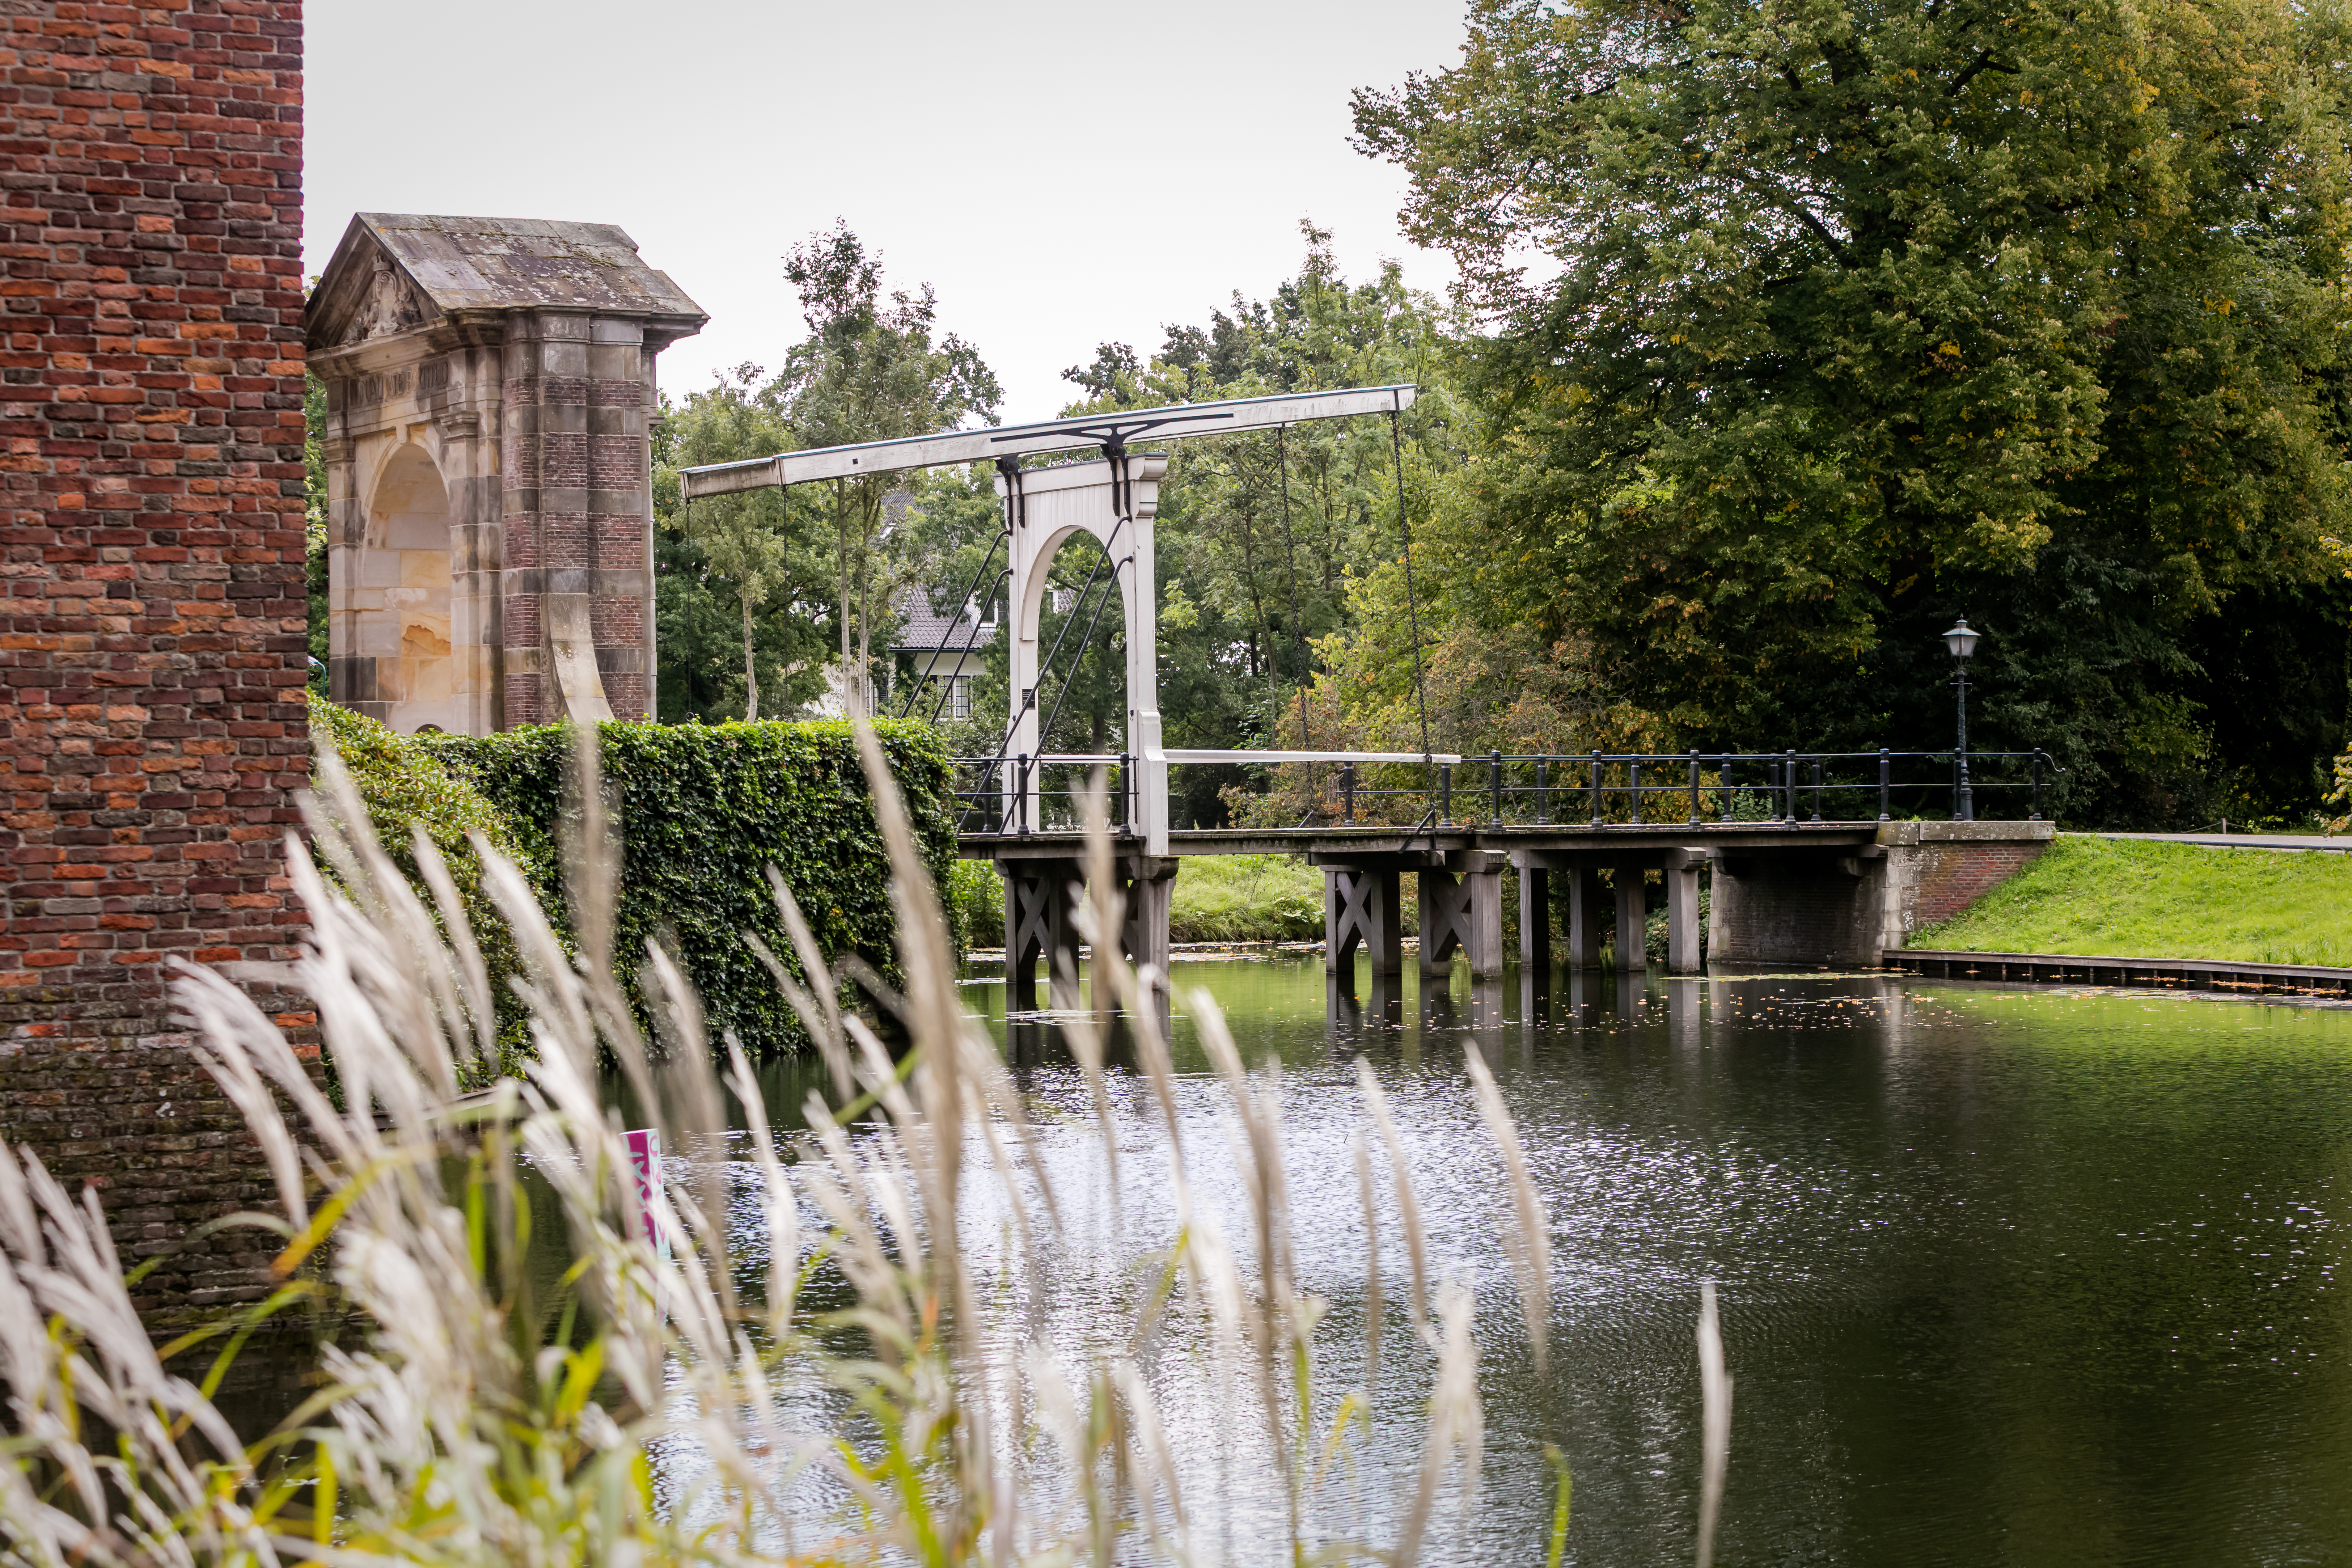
1815,325
747,542
1260,537
872,369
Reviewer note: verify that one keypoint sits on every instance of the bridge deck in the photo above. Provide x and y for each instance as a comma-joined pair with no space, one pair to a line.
1363,838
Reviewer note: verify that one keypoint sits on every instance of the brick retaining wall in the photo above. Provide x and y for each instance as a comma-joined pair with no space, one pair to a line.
1951,877
151,640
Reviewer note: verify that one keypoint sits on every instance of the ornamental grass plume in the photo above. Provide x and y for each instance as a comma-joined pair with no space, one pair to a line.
804,1352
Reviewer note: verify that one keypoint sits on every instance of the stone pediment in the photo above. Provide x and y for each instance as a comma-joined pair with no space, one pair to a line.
395,273
380,301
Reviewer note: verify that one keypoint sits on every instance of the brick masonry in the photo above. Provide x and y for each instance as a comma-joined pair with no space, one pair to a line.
1951,877
151,642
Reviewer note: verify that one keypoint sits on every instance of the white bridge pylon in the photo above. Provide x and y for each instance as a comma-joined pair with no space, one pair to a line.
1114,498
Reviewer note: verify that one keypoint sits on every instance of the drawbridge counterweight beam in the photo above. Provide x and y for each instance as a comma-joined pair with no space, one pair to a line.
1118,429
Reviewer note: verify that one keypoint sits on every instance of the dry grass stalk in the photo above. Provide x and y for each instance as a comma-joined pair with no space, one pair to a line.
654,1410
1715,1395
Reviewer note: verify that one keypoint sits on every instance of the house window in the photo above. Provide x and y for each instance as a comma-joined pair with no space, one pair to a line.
1063,599
959,697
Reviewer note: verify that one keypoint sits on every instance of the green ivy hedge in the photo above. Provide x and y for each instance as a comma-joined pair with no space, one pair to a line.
404,788
703,810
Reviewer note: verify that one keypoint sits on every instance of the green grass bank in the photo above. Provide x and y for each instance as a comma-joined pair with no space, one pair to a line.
1217,898
2123,899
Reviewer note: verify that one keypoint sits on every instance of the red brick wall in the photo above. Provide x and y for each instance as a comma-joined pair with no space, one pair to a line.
151,633
1954,875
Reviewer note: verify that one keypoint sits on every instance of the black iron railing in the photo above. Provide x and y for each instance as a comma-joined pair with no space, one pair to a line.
1591,788
993,795
1601,788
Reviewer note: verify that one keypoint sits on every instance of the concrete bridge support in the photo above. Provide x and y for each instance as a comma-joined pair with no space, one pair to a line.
1589,918
1147,883
1854,905
1586,922
1630,885
1461,909
1682,911
1039,897
1534,919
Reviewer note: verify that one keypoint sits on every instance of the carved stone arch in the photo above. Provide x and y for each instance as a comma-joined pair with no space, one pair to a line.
393,630
407,483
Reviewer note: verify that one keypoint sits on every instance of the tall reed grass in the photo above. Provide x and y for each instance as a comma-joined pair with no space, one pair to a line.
795,1354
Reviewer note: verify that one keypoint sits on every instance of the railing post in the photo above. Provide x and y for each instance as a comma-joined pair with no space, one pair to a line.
1347,790
2037,788
1788,787
1126,790
1817,789
1693,788
1020,800
1543,790
1444,793
1596,789
1884,777
1495,783
1633,783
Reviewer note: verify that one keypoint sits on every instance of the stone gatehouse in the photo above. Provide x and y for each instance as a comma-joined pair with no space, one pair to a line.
489,396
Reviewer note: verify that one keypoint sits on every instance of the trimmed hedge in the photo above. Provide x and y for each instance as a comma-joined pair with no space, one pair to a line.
702,811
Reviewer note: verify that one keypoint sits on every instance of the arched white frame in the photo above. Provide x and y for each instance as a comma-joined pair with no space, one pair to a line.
1114,498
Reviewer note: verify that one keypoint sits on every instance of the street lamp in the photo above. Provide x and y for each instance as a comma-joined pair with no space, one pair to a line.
1962,641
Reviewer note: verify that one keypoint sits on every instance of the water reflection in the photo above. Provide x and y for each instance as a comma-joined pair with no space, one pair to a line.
2007,1276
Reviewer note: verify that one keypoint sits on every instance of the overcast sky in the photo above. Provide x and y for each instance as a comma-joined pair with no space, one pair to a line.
1062,174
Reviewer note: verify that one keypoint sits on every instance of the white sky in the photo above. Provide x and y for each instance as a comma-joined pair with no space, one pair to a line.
1062,174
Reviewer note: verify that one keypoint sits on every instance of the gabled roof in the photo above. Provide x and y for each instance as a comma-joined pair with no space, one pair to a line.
453,265
922,631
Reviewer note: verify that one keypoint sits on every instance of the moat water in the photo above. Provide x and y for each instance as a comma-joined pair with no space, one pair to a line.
2007,1276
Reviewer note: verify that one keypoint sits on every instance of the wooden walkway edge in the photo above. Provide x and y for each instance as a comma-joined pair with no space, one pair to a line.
2081,969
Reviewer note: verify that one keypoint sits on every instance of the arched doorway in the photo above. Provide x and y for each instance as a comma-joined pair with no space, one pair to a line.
399,604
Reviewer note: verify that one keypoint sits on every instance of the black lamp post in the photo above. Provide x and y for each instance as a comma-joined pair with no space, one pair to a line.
1962,642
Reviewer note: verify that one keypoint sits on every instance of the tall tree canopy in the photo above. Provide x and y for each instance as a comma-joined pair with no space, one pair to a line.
755,548
749,577
1816,322
872,369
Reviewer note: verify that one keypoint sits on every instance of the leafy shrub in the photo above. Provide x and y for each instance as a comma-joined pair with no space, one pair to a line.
975,905
706,809
405,791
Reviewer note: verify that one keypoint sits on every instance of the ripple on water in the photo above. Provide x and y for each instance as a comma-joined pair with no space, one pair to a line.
2007,1275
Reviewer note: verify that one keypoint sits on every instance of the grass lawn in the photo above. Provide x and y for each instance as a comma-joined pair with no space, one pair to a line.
1246,897
2130,899
1218,897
